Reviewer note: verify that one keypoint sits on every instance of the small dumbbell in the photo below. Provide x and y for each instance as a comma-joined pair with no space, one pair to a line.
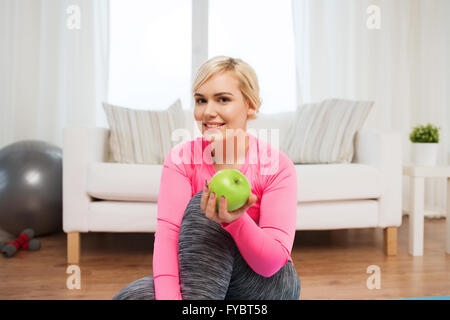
24,241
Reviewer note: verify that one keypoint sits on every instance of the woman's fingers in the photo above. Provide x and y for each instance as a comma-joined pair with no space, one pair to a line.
224,216
228,217
204,199
208,206
211,207
250,202
252,199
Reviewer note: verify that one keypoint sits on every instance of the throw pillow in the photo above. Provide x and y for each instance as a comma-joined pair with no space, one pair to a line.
142,136
324,132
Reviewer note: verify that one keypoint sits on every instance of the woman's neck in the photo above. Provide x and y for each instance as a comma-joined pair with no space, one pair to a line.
232,149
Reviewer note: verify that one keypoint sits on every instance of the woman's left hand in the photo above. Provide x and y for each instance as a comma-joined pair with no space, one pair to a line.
208,206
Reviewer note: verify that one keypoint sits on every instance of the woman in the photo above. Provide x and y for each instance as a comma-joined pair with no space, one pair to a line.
201,253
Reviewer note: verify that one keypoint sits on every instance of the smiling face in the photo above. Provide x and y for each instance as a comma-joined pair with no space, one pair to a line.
220,100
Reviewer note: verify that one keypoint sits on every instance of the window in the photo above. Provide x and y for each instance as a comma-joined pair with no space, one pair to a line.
259,32
150,54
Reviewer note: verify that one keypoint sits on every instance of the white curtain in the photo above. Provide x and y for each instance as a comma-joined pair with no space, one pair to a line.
395,53
53,66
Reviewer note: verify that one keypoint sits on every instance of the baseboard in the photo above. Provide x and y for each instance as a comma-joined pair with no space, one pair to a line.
430,214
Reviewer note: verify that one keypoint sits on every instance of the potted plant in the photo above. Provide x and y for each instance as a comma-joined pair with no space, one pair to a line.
425,141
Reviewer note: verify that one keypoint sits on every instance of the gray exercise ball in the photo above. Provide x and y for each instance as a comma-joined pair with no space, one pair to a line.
31,187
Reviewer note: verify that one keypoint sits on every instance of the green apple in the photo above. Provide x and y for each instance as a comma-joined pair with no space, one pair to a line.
233,185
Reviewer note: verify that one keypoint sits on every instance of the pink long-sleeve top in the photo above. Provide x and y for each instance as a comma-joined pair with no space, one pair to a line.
264,234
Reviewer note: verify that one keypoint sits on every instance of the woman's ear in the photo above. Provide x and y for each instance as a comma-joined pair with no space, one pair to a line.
250,109
251,112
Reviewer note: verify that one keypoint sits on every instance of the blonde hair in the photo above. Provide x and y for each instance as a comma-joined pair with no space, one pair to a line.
243,72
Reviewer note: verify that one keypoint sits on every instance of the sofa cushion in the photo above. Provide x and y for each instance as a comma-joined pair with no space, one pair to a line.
324,132
262,127
123,181
142,136
321,182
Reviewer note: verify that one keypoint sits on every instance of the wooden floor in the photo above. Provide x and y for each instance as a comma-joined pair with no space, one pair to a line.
332,264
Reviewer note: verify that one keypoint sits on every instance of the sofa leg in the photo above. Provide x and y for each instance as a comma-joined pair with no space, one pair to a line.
390,241
73,247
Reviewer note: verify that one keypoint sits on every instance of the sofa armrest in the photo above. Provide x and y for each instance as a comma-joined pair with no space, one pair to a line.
81,145
383,150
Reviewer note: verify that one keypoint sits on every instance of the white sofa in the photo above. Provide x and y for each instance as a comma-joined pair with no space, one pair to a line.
101,196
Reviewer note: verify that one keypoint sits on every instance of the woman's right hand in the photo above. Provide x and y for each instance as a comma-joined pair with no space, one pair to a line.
208,203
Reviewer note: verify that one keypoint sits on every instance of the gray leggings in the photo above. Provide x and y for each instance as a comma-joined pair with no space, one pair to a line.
212,268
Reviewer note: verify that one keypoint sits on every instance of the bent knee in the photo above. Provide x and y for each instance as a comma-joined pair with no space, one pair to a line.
299,287
193,211
140,289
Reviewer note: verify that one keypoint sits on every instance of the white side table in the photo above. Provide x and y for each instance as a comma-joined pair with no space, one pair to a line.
417,176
